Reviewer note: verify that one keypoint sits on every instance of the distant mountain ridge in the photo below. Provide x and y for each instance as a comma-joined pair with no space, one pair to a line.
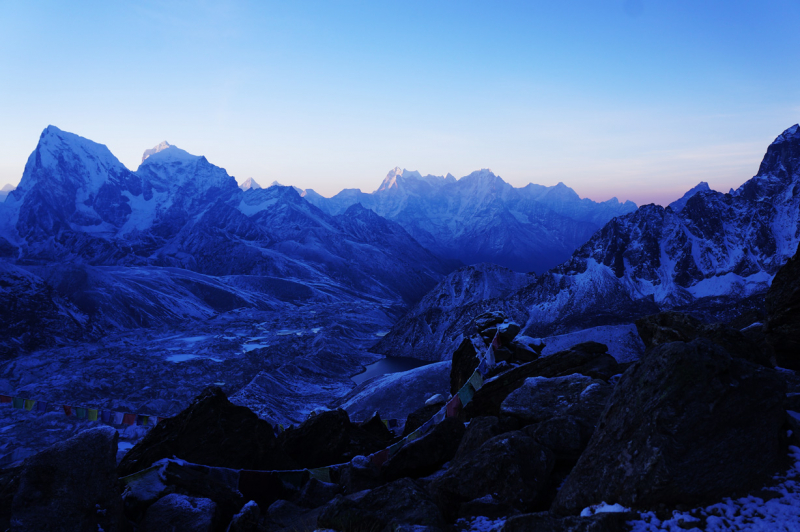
709,256
481,218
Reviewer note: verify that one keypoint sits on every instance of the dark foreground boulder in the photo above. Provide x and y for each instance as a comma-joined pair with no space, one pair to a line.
425,455
465,361
510,467
71,486
211,431
329,438
686,424
401,502
783,314
670,326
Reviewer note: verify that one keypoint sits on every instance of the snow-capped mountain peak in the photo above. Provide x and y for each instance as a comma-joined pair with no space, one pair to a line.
152,151
680,203
250,183
167,153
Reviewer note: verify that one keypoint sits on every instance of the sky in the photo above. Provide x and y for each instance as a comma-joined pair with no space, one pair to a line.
637,99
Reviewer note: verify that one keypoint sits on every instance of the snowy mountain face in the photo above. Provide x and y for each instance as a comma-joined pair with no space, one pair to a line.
481,218
715,257
679,204
79,216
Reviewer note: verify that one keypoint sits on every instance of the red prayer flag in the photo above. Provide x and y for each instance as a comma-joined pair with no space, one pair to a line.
5,399
129,419
380,457
67,410
497,343
453,407
160,419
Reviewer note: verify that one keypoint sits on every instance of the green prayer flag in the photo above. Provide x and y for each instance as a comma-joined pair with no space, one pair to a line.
476,380
466,393
323,474
80,412
29,404
91,414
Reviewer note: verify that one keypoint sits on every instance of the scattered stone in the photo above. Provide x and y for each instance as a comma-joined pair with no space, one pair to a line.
211,431
437,399
71,486
686,424
179,513
359,475
398,503
246,520
783,314
511,467
326,439
425,455
540,399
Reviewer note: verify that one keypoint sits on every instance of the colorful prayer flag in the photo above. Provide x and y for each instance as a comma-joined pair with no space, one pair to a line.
19,402
453,407
483,368
160,419
91,414
5,398
29,404
105,416
67,410
141,419
466,393
129,419
80,412
41,406
117,418
392,423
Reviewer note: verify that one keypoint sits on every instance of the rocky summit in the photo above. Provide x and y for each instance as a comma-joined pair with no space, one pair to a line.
182,353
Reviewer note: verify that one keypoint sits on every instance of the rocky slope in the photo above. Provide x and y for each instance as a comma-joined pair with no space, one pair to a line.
715,257
481,218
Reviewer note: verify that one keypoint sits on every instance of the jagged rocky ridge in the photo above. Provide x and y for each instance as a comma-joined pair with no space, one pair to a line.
715,258
481,218
551,443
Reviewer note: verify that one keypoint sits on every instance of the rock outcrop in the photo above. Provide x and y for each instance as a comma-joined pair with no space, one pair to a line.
212,431
687,424
783,314
71,486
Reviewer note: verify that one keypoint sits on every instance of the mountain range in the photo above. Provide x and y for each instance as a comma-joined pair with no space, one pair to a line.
710,253
481,218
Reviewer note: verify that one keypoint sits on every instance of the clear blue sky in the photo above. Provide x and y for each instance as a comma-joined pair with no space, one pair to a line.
635,99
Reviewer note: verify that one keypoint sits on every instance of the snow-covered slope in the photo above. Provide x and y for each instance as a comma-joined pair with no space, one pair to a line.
249,183
680,203
481,218
711,257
